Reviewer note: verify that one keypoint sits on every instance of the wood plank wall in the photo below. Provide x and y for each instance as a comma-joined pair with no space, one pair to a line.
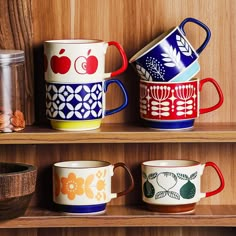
16,33
26,24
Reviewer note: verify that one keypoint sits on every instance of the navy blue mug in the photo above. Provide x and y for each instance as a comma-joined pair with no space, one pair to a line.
77,106
170,57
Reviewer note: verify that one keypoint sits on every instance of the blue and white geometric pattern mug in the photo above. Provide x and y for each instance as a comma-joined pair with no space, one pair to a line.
75,106
170,57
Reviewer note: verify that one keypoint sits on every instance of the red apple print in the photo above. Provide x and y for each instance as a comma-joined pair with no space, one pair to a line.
45,63
87,65
92,64
60,65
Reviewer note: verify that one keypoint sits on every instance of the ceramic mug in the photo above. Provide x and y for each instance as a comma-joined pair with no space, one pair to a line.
85,186
79,60
174,186
170,106
76,106
170,57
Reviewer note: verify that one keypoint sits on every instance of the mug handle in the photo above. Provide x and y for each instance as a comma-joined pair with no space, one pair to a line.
207,30
124,60
131,186
220,175
219,91
125,95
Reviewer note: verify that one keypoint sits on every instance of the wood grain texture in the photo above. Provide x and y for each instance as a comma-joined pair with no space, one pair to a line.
16,180
117,216
16,33
123,133
26,24
51,20
43,156
172,231
124,22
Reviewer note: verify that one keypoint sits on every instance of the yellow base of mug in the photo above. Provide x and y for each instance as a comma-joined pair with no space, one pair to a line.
76,125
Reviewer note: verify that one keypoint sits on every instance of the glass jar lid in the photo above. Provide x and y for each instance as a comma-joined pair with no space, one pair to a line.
11,56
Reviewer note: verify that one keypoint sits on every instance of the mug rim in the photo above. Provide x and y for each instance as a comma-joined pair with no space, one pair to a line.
74,83
74,41
158,40
151,163
192,80
76,165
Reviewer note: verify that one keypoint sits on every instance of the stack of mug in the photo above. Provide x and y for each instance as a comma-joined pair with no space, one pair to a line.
75,83
169,93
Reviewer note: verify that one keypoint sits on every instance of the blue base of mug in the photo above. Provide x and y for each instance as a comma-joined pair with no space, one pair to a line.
85,209
170,125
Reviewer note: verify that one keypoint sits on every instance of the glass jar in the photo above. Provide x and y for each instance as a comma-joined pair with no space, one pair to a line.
12,93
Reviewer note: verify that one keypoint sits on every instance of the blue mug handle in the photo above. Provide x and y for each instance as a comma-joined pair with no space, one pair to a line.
208,32
125,103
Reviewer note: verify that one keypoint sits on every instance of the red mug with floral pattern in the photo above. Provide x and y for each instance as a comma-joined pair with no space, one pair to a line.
85,186
171,106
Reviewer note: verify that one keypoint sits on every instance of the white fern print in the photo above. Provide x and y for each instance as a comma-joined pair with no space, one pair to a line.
155,68
143,73
183,46
171,57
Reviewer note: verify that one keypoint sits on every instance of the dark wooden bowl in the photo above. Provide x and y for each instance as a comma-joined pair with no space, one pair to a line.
17,185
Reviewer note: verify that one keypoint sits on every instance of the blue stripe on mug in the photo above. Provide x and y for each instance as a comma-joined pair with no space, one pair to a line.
81,209
188,74
170,125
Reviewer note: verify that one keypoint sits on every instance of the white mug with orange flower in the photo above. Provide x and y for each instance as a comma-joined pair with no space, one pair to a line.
85,186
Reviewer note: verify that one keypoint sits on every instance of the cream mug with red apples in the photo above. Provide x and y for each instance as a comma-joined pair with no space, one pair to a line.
174,186
79,60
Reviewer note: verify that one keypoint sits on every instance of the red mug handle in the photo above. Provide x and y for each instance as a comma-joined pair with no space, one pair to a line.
131,186
123,57
221,177
219,91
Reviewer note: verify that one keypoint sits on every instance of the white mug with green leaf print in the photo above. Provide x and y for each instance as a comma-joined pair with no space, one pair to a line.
85,186
174,186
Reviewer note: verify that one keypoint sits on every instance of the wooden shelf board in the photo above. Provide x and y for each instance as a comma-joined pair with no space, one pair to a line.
122,133
127,216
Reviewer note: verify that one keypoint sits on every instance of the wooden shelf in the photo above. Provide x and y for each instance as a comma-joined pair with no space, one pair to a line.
124,216
123,133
